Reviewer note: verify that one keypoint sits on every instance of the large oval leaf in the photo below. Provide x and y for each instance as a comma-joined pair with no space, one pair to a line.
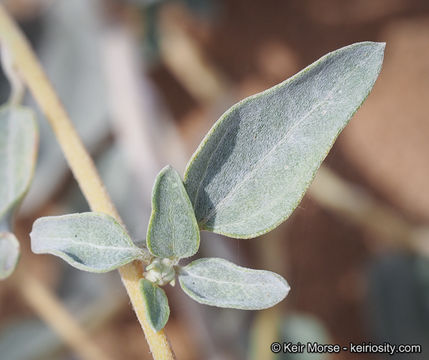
173,229
18,148
88,241
9,254
218,282
157,309
253,167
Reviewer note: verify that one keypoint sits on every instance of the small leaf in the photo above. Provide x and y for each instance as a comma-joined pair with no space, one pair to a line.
173,230
220,283
254,166
9,254
88,241
157,309
18,149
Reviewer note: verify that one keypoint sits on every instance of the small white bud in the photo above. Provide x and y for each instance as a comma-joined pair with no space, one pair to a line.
161,271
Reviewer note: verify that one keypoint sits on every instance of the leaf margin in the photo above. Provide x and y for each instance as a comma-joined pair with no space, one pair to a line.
16,243
241,268
165,305
155,210
223,117
11,207
80,266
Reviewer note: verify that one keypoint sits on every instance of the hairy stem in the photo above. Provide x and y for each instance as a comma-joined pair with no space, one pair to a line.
79,161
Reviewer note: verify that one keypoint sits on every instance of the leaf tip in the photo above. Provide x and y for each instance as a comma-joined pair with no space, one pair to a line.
285,287
378,48
381,47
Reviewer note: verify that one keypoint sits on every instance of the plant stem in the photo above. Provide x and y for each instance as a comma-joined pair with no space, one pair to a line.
80,163
50,310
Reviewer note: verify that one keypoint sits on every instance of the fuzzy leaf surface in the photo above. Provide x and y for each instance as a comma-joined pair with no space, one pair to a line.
157,309
254,166
9,254
173,230
88,241
218,282
18,149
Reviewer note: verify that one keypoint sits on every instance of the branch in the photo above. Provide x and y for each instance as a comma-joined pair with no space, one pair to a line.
79,161
51,311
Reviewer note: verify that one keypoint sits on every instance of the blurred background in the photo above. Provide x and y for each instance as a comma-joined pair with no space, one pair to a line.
143,81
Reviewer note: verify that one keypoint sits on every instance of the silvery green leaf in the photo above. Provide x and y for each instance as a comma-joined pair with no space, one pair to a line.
9,254
218,282
71,56
88,241
18,148
254,166
173,230
157,309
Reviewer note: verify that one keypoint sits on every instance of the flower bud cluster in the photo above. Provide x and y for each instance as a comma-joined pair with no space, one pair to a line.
161,271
